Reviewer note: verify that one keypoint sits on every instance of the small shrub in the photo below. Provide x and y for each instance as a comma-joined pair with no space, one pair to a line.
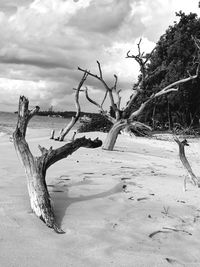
97,123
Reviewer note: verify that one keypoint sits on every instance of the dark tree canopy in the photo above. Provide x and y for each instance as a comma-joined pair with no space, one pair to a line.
174,57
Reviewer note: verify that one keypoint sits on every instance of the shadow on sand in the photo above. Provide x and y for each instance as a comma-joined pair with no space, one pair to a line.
61,200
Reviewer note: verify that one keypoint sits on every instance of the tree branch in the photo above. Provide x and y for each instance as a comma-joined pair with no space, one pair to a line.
131,101
141,59
106,93
165,90
54,155
197,42
24,115
78,110
101,79
100,71
105,113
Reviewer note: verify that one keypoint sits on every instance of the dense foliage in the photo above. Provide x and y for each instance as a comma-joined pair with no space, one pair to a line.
97,123
174,57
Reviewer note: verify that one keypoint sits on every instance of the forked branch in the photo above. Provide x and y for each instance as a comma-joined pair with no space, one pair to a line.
105,113
36,167
101,79
141,59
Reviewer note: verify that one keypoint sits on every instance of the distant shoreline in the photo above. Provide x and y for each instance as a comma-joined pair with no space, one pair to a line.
61,114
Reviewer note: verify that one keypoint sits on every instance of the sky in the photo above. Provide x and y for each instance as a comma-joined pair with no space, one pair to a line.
44,41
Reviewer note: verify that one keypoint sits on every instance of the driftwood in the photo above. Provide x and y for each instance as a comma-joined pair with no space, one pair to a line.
74,119
127,117
167,230
52,134
36,167
193,178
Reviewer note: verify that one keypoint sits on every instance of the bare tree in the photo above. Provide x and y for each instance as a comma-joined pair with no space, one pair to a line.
126,117
36,167
65,131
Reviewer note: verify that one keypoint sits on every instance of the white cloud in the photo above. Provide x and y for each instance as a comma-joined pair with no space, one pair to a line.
43,41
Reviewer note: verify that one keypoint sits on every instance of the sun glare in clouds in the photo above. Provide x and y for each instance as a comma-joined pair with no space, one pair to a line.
43,41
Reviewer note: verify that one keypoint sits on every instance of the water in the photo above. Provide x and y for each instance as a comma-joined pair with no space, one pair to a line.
8,123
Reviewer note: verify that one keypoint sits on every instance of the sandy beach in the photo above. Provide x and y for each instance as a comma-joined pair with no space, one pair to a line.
124,208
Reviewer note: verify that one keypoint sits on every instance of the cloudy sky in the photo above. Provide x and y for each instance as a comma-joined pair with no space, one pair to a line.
43,41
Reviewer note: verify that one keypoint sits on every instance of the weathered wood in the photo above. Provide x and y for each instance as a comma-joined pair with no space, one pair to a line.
74,119
128,113
112,135
36,167
52,134
193,178
73,136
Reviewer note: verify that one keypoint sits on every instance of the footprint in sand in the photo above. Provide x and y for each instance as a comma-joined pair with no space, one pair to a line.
58,191
124,178
7,220
64,177
86,177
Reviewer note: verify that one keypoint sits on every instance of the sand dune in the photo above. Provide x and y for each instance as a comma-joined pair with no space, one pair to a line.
120,208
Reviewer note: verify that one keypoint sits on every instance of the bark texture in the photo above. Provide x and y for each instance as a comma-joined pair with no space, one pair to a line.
36,167
193,178
74,119
112,135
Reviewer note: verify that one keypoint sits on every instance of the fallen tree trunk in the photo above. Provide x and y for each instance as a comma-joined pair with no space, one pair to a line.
36,167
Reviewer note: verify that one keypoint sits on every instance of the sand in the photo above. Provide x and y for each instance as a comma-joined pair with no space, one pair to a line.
121,208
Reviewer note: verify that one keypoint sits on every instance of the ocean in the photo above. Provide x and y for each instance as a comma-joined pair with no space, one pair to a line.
8,123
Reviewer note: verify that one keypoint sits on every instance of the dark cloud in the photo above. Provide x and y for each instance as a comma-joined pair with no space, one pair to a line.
10,6
41,45
39,62
102,16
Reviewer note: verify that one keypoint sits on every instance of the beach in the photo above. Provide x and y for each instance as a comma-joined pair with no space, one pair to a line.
123,208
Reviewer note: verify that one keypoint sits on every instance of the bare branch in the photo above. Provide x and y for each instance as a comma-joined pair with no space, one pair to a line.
78,109
97,77
100,71
119,99
127,109
92,101
42,149
66,150
118,95
141,59
182,80
196,41
106,93
99,106
165,90
115,83
24,115
33,112
138,45
100,78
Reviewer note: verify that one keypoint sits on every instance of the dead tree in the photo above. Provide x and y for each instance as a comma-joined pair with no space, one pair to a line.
192,177
74,119
126,118
36,167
